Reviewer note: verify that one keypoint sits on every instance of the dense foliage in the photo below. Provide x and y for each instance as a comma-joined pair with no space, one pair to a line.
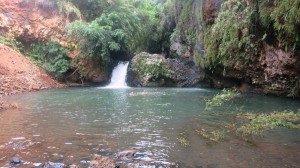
235,37
231,40
52,57
218,100
11,41
219,35
125,26
281,20
151,69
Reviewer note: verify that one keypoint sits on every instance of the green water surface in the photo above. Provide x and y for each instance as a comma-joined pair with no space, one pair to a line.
70,125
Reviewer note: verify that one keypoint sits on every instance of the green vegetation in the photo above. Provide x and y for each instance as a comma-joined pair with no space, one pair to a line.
224,97
214,136
182,139
219,38
295,90
230,41
281,20
123,27
10,41
67,8
257,123
233,36
52,57
151,68
188,18
249,125
91,9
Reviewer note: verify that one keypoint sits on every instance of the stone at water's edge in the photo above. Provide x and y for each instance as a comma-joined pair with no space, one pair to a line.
53,165
15,160
154,70
274,72
102,162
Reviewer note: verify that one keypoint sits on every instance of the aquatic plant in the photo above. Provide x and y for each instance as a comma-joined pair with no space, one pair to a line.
218,100
255,124
182,139
216,135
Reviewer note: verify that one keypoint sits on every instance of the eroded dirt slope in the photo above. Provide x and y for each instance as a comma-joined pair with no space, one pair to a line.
17,74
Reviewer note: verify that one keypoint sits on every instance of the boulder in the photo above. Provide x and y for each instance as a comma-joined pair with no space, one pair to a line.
15,160
53,165
102,162
126,155
154,70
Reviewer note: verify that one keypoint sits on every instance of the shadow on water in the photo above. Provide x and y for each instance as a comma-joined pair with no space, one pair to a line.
70,125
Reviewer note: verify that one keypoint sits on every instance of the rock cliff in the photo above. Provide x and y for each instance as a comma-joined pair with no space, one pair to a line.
41,21
32,21
272,69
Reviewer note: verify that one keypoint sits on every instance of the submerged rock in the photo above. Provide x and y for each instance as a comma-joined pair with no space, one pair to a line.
127,154
213,166
102,162
154,70
15,160
53,165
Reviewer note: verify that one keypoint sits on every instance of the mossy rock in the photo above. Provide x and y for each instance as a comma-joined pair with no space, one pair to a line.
154,70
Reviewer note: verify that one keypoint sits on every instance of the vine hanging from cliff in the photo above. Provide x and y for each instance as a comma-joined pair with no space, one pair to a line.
230,41
281,21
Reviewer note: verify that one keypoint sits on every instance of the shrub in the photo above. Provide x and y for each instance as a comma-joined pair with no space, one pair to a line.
52,57
10,41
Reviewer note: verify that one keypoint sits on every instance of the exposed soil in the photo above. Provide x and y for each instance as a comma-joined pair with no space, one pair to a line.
18,74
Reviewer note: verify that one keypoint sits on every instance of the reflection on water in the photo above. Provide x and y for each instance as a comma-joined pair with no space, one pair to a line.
70,125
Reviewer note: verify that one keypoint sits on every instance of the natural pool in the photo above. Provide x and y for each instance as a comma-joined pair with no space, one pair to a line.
70,125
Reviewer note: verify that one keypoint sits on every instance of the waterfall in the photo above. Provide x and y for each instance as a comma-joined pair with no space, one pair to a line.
118,78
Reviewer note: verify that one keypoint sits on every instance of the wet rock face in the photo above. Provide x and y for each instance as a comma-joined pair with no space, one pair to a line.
210,10
274,72
93,71
279,69
186,73
153,70
33,20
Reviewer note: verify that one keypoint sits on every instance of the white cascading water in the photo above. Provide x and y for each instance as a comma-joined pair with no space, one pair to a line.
118,78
